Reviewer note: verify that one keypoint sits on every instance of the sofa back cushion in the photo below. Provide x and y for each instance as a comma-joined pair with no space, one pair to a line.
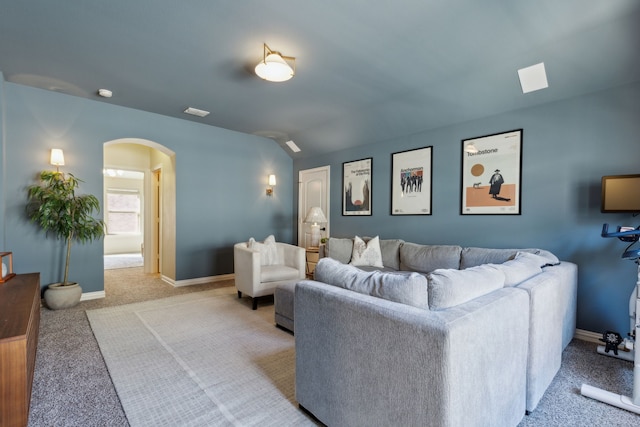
522,267
339,249
427,258
451,287
470,257
405,288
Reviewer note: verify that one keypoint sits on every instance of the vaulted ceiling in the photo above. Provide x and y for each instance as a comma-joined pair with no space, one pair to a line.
366,71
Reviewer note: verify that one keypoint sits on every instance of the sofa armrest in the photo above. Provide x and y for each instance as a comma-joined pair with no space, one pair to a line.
362,360
246,267
553,301
293,256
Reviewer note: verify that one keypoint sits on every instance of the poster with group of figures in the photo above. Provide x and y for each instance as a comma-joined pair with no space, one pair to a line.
491,172
411,182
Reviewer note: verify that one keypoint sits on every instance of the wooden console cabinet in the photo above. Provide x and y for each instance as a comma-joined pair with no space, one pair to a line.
19,323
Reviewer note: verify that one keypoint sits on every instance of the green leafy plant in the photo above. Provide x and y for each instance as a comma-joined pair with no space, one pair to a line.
55,207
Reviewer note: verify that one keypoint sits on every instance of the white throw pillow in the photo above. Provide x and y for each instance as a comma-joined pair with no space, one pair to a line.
366,254
268,250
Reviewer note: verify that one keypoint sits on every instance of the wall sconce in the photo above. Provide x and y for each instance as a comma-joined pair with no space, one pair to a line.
57,158
271,183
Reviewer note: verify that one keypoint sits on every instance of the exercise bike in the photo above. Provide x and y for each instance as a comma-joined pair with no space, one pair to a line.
632,235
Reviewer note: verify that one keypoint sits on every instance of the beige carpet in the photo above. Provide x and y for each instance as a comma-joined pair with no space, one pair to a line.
199,359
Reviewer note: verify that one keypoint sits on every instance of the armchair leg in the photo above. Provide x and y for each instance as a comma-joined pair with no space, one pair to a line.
255,303
239,294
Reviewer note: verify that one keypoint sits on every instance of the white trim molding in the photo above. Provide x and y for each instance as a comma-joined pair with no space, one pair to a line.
86,296
198,280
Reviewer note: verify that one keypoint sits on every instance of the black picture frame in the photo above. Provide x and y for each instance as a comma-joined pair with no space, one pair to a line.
491,177
356,187
411,181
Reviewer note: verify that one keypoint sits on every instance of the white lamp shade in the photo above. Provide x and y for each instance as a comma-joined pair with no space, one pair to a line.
272,180
274,69
57,157
315,215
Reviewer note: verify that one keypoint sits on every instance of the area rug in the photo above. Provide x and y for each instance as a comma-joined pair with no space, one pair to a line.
113,262
200,359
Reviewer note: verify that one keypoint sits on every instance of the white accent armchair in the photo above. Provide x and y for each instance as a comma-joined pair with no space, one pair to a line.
257,275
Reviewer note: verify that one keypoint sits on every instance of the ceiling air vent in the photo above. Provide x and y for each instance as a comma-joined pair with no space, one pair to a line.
196,112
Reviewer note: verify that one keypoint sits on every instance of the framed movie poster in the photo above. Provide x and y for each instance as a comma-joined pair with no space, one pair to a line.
411,182
492,174
356,187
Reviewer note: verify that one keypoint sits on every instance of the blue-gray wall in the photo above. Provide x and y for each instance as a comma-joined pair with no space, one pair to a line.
221,178
567,147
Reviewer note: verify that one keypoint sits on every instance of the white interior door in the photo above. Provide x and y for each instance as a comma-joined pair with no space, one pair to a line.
313,191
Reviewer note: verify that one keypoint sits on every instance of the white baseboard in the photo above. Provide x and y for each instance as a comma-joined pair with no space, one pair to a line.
86,296
198,280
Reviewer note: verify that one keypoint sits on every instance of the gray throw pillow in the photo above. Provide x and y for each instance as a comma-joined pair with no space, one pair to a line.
405,288
450,287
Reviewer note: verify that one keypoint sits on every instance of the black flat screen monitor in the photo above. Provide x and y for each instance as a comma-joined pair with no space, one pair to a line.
621,193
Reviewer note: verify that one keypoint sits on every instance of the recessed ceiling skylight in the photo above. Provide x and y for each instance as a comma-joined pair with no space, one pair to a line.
533,78
292,145
196,112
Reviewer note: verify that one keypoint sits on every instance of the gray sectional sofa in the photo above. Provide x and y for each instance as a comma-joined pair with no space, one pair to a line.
439,335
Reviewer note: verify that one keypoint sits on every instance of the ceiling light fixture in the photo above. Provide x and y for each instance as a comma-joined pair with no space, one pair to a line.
196,112
105,93
292,145
275,67
533,78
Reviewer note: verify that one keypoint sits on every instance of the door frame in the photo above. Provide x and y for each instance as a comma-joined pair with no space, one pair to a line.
301,213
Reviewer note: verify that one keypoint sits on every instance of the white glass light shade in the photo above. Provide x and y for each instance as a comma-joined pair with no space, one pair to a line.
274,68
57,157
470,148
272,180
315,215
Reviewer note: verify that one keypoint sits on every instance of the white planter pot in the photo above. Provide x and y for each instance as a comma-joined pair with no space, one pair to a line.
58,297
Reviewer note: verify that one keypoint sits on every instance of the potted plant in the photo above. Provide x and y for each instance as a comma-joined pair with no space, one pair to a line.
57,209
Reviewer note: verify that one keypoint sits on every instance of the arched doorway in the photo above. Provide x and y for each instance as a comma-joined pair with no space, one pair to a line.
157,198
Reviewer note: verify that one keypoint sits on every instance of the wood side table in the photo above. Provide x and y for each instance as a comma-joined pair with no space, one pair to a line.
19,324
312,260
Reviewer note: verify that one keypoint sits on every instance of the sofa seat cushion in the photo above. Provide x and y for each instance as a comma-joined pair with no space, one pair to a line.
522,267
451,287
427,258
406,288
277,273
471,257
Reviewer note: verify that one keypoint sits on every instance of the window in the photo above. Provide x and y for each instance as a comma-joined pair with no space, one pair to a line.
123,211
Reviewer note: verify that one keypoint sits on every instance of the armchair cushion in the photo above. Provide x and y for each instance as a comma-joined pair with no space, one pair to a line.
277,273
